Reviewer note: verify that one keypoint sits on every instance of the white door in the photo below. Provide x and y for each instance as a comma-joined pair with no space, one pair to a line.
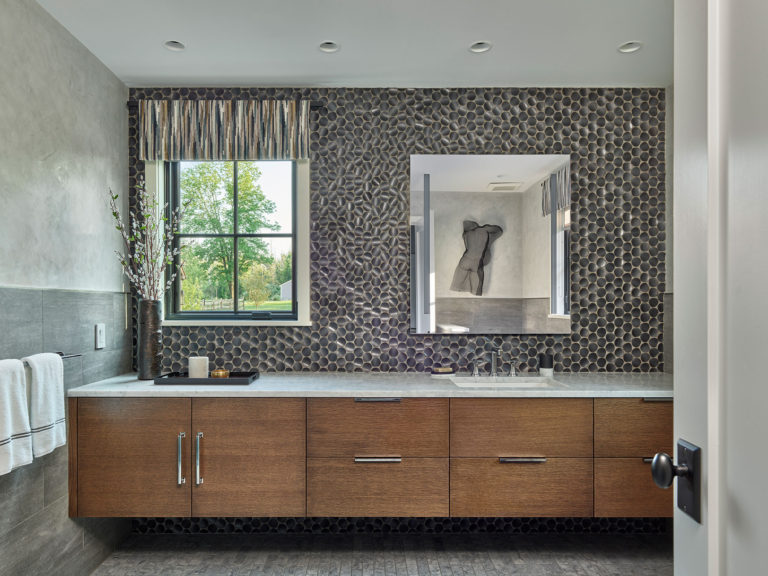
690,261
744,454
721,291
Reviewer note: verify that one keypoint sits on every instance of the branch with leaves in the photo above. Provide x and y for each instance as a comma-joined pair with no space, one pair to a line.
148,250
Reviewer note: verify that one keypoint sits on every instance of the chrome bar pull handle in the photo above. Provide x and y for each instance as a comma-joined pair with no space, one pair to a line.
198,478
522,460
391,400
658,399
179,478
378,460
647,460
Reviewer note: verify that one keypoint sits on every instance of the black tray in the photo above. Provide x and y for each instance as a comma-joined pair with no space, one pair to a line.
182,378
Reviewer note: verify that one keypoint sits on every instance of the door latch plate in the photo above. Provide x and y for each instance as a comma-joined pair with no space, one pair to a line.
689,486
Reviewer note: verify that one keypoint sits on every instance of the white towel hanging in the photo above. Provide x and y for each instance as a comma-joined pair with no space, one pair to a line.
46,403
15,432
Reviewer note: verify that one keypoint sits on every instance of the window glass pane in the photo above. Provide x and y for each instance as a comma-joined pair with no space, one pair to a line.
206,195
265,197
207,274
266,273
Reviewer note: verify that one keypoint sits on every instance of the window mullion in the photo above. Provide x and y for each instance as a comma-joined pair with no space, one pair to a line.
236,267
294,242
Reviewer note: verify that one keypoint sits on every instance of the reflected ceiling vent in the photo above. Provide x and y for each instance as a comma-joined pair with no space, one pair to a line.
504,186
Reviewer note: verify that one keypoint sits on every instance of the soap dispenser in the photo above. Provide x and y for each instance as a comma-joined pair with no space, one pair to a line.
546,365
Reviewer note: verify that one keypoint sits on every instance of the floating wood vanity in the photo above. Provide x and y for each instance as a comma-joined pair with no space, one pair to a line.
281,448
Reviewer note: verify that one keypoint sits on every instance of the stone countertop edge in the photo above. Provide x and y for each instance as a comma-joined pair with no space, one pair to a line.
391,385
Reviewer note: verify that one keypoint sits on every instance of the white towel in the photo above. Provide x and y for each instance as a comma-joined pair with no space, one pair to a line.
46,403
15,434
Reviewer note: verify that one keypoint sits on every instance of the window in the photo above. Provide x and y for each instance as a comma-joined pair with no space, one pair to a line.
560,241
240,257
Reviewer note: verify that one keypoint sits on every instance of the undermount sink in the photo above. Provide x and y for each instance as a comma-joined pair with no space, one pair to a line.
504,382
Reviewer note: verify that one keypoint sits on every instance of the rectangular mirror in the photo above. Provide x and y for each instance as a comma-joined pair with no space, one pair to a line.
490,238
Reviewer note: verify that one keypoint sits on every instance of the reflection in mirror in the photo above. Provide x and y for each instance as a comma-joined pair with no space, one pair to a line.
490,241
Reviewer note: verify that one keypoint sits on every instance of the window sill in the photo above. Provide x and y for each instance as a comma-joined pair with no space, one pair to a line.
559,316
237,323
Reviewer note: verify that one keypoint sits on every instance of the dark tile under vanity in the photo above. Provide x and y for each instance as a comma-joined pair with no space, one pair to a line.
148,526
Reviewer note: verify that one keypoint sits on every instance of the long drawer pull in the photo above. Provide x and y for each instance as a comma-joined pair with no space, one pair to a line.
198,478
647,460
378,460
658,399
522,460
391,400
179,478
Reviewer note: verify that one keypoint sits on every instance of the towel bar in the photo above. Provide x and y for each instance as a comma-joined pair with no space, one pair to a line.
63,355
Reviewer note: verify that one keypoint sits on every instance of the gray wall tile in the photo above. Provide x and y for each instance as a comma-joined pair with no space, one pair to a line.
41,543
55,474
121,334
536,317
101,364
73,372
100,537
22,495
36,534
481,315
21,319
69,319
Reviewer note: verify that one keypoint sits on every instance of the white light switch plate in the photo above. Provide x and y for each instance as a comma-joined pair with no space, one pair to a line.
101,336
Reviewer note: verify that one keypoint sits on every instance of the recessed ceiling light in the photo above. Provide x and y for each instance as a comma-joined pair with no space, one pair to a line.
629,47
174,46
480,47
329,47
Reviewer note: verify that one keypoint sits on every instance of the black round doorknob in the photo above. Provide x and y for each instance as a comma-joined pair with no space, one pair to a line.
664,470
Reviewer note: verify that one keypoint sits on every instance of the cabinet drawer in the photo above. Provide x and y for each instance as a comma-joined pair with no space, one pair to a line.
486,487
343,487
632,427
624,488
348,427
493,427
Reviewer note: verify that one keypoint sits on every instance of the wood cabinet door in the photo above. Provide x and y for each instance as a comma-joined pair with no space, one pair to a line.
127,456
488,487
632,427
494,427
349,427
252,457
624,488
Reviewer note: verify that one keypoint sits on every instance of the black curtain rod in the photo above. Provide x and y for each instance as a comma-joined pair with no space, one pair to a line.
313,105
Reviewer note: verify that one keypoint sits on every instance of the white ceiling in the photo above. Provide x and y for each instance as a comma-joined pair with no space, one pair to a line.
384,43
473,172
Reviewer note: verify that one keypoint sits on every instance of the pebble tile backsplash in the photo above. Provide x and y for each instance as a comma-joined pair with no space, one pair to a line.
361,142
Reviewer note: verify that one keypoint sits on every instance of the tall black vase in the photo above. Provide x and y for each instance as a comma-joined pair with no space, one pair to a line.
150,348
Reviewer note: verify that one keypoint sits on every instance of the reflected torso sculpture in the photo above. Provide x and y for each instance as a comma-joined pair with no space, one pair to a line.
469,274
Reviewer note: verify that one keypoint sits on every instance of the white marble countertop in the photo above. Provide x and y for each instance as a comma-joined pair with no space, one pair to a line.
401,385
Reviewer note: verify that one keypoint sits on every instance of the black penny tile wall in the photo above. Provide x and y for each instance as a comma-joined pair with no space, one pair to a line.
361,142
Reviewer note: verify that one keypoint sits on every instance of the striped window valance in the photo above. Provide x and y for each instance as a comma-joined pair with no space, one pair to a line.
174,130
561,180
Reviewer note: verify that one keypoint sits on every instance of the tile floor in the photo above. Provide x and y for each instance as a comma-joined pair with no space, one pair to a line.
395,555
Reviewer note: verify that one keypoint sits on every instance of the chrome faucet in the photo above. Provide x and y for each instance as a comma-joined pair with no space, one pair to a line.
495,357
